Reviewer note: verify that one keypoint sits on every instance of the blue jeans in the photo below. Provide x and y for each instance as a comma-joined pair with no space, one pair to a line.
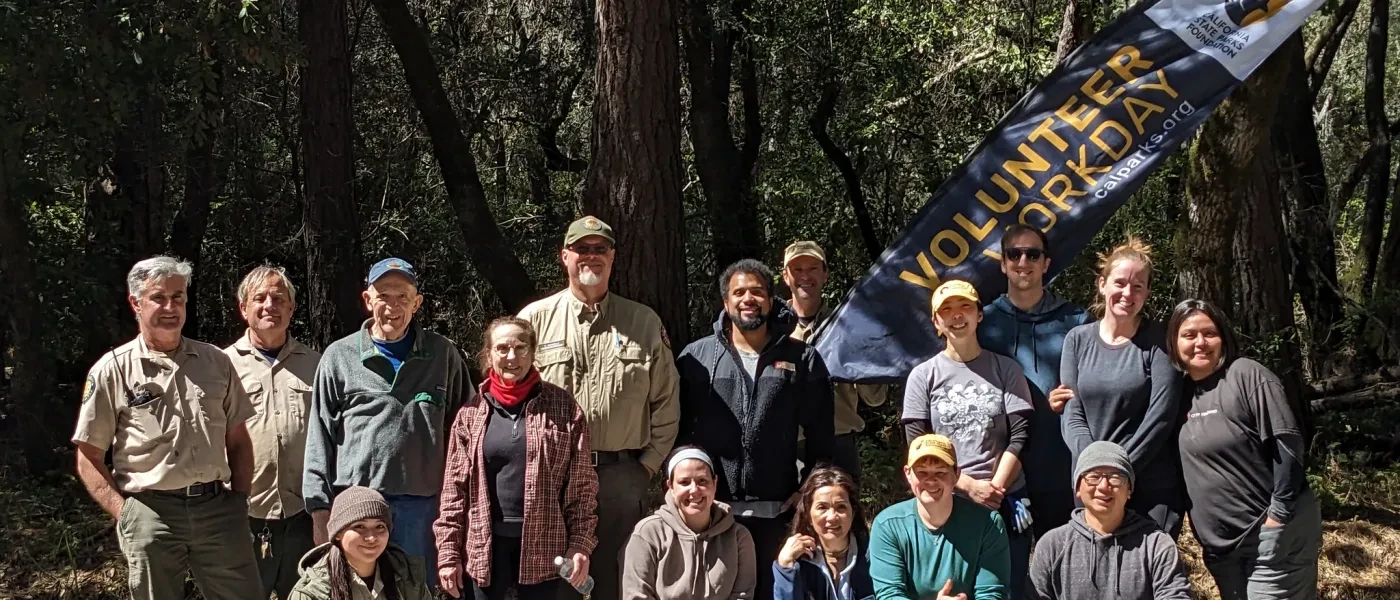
413,529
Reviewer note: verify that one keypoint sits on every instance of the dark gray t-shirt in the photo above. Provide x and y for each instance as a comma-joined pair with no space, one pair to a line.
1227,448
1128,394
969,402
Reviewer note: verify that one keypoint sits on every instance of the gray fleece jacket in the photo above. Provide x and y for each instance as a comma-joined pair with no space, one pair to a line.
1136,562
379,428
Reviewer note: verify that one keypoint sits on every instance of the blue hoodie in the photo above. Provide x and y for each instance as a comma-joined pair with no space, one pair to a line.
1034,339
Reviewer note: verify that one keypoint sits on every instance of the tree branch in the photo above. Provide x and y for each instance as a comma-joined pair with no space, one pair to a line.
1324,50
826,108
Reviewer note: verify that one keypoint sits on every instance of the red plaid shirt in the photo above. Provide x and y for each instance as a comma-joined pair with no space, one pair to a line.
561,489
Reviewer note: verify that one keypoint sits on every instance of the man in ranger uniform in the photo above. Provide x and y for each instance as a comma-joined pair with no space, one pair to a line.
613,355
172,411
277,372
804,272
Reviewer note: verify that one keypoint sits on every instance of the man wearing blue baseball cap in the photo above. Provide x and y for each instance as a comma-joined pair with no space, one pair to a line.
382,403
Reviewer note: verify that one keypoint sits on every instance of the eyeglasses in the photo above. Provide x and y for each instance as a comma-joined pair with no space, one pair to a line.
1114,479
586,249
504,350
1031,254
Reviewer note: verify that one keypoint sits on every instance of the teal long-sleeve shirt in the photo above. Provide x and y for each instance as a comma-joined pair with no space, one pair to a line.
910,561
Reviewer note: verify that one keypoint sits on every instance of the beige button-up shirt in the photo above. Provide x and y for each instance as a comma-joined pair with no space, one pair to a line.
281,396
176,439
847,394
617,363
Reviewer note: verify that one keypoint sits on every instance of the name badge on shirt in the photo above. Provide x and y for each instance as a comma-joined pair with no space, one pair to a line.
551,345
783,365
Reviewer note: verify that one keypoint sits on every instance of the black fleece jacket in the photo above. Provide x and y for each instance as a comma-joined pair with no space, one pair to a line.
750,428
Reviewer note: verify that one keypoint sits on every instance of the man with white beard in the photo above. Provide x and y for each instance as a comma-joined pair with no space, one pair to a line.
613,355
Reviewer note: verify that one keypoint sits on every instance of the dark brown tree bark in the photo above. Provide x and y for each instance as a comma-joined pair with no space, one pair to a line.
330,217
855,194
634,175
1378,180
1076,27
489,252
726,168
201,184
1226,149
30,406
1311,243
1324,49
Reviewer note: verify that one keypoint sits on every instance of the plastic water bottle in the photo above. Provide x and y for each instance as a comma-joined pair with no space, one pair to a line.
566,569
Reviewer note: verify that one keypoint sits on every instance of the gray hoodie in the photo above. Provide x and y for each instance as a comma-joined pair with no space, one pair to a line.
665,560
1136,562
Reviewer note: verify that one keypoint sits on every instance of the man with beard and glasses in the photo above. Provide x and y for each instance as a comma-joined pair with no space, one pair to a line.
1028,323
745,390
613,355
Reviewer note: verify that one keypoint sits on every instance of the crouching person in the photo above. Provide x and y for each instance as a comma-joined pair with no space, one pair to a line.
359,563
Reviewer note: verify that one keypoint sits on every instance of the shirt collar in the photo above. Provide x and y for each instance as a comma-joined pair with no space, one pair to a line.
185,347
244,346
577,307
369,349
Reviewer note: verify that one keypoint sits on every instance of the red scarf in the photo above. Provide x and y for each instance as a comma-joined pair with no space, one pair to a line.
511,395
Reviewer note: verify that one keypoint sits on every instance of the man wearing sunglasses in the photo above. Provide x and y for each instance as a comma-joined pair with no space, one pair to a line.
1028,323
613,355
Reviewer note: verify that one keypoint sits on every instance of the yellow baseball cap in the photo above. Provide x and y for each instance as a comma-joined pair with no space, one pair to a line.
932,444
954,288
803,248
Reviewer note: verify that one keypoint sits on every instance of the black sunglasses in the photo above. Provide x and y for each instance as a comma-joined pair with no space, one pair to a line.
585,249
1031,254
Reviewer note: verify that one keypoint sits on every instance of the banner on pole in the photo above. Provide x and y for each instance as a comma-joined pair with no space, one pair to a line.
1064,159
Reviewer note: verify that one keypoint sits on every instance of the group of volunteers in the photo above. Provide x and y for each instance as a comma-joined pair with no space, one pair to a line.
378,469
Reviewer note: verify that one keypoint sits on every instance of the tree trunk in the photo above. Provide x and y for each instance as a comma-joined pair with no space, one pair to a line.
1076,27
330,217
726,171
1324,49
30,404
1225,151
489,252
855,194
201,184
1298,159
1378,181
634,176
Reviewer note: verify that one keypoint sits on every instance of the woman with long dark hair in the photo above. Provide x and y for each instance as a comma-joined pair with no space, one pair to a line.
826,557
359,563
1242,453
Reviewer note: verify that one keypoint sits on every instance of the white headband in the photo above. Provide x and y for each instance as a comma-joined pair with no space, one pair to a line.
687,454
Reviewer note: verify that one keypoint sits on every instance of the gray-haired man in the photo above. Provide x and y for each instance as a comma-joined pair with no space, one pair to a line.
277,371
172,411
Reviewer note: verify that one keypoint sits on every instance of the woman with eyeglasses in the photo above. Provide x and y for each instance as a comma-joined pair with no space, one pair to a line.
1242,453
1119,385
980,400
519,488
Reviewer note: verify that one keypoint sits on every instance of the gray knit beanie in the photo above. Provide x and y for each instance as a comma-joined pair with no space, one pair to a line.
354,504
1104,454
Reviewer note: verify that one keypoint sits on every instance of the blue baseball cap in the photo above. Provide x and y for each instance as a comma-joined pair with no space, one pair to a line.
392,265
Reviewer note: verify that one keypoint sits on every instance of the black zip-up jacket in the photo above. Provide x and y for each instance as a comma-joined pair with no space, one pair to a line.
751,430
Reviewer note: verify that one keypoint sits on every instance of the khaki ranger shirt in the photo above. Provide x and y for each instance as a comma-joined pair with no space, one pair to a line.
847,394
175,440
617,363
281,396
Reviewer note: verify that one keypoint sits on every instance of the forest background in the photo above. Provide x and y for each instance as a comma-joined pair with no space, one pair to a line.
463,135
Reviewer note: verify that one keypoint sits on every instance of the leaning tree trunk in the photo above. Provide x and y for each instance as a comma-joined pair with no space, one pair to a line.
1076,27
1216,187
30,405
1298,159
817,124
726,169
330,217
1323,51
1378,181
489,252
634,176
